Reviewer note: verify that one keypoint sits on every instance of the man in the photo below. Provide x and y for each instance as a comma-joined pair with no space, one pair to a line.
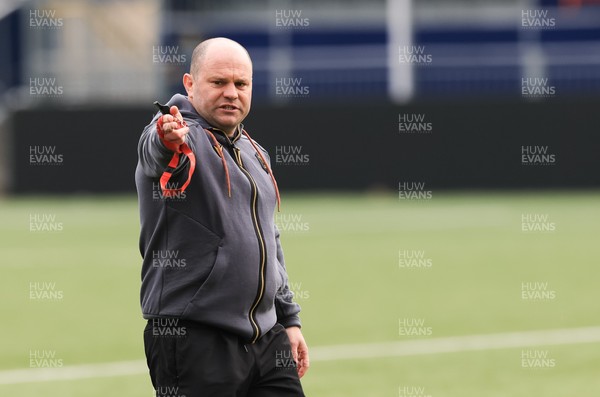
221,319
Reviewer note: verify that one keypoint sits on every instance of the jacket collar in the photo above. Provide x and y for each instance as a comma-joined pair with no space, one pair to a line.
223,138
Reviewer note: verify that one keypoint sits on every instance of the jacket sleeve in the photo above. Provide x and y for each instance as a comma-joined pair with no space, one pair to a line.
287,310
153,155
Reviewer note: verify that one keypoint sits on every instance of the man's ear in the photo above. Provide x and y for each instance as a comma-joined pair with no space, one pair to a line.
188,83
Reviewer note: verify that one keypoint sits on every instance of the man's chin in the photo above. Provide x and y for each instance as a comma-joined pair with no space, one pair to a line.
226,124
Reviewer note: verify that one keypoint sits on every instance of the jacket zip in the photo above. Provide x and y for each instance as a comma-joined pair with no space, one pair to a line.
261,244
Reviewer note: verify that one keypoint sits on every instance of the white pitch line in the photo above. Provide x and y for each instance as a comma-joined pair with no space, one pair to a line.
72,372
453,344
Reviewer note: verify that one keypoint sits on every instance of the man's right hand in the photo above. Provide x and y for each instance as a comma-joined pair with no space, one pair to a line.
172,129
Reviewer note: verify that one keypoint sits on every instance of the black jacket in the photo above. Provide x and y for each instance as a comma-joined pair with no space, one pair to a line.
211,253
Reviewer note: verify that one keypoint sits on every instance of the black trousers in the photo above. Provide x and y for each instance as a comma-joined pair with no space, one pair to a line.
187,359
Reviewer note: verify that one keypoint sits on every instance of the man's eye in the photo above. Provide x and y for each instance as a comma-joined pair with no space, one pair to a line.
240,84
217,82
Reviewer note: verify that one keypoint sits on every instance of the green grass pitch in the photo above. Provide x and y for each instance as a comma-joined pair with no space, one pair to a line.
346,256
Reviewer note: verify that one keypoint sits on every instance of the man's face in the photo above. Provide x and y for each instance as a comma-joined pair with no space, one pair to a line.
221,91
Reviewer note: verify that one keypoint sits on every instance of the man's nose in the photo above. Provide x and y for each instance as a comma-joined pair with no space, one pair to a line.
230,91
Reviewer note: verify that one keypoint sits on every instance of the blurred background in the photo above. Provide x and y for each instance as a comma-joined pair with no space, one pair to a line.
457,135
477,74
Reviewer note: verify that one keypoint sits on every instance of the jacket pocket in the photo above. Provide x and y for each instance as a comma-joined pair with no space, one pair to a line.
187,261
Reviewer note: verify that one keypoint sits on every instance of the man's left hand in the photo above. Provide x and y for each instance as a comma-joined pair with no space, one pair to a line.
299,350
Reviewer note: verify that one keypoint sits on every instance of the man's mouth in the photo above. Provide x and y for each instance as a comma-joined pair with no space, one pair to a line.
228,107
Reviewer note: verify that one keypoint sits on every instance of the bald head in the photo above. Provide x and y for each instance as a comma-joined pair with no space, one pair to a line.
219,84
219,45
